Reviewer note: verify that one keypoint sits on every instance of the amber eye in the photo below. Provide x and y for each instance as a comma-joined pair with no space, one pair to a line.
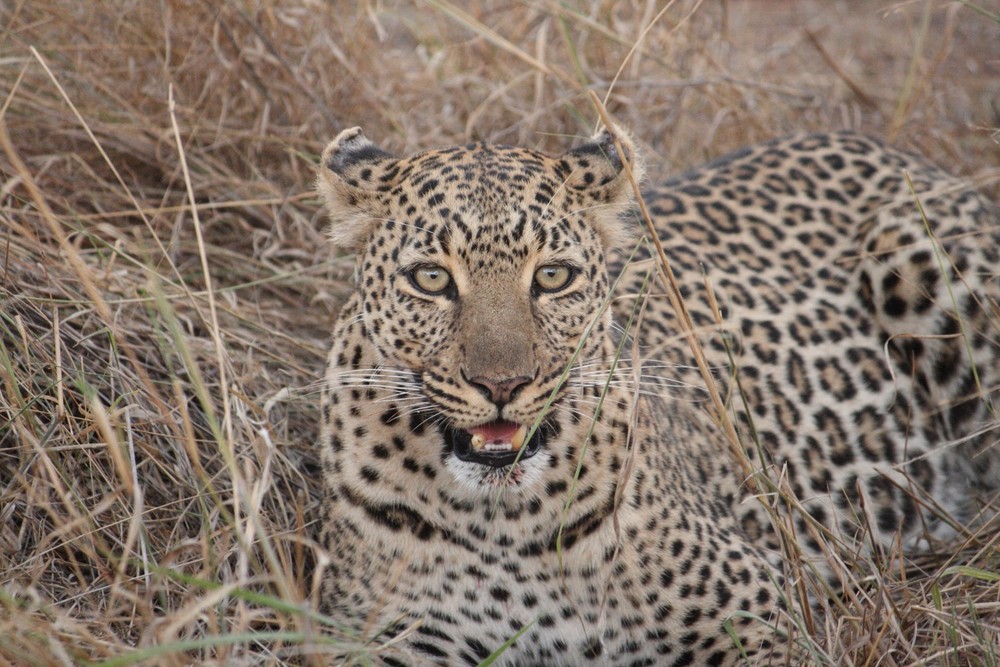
553,277
432,280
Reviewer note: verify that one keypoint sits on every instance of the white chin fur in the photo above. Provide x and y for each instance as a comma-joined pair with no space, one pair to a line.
481,479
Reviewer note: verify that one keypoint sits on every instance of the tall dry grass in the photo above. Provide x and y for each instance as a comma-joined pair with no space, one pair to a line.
166,293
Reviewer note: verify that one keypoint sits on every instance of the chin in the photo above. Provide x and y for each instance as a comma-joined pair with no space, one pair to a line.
479,479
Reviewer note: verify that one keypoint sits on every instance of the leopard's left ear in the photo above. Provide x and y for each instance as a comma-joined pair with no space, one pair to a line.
597,171
353,176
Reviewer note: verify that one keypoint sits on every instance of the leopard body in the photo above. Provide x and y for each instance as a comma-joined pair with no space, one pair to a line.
844,294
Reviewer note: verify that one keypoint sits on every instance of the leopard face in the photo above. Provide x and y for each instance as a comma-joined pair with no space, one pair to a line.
483,276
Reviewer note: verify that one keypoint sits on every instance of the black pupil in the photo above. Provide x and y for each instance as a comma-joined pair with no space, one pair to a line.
550,275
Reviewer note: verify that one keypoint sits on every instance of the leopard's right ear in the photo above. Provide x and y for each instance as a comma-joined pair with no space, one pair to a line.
353,176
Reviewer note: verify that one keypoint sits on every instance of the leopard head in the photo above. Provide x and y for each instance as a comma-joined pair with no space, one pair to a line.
482,271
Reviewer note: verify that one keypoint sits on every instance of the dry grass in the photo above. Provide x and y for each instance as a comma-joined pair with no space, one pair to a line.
165,291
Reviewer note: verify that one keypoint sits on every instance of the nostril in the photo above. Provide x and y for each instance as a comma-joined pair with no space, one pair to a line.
500,390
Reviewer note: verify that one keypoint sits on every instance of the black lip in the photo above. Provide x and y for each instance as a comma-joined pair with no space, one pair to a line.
459,441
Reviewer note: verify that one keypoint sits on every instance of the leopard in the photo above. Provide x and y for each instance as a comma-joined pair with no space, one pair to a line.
561,400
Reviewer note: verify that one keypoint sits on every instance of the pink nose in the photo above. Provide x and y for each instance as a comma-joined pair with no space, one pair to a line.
499,390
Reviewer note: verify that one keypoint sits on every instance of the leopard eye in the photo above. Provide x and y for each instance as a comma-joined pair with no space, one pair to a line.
553,277
432,280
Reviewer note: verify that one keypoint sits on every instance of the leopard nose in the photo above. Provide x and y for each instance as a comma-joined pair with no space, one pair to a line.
500,390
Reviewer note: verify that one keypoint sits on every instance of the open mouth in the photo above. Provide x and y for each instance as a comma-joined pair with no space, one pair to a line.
496,444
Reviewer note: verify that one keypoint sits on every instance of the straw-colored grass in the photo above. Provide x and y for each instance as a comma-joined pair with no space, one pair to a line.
166,292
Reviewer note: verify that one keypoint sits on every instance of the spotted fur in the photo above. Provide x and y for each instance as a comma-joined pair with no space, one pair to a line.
623,534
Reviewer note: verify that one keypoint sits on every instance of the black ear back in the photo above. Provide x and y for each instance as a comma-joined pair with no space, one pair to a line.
596,171
350,149
599,162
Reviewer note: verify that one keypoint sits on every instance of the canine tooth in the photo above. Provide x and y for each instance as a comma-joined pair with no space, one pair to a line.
518,439
478,440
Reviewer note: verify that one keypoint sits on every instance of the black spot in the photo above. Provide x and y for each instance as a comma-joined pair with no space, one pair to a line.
894,306
477,647
429,649
429,186
593,648
431,631
418,424
684,659
555,488
887,520
499,594
390,416
722,594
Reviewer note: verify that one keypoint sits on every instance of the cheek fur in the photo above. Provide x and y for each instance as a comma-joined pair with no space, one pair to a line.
403,328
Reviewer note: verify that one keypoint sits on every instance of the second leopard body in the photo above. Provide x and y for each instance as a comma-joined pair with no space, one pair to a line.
619,530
